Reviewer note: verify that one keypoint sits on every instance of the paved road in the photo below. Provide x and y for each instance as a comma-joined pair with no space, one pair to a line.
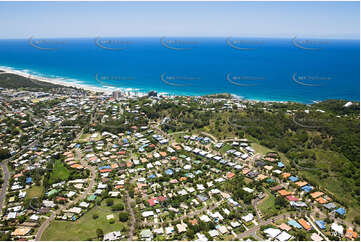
255,203
230,139
6,172
5,185
310,220
214,139
132,218
66,206
156,127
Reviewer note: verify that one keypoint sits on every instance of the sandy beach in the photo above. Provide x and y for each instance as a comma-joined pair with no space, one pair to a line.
56,81
106,90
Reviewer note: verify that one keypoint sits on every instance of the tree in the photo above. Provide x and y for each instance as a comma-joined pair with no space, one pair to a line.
123,216
5,236
301,235
109,202
190,233
118,207
280,202
95,216
21,219
4,154
100,233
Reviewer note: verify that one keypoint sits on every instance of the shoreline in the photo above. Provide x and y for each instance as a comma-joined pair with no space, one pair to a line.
105,90
127,91
55,81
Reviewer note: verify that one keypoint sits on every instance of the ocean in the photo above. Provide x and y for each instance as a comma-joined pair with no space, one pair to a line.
266,69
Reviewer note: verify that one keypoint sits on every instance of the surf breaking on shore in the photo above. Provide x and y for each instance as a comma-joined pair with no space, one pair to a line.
58,81
108,90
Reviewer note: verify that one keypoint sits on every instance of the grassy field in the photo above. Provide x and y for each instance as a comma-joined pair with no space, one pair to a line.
267,206
85,227
335,188
59,173
225,147
84,138
260,149
34,191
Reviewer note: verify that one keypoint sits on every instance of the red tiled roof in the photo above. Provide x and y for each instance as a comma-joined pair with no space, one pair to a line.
292,198
105,170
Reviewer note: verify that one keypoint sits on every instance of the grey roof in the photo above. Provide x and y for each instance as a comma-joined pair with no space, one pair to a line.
202,197
330,206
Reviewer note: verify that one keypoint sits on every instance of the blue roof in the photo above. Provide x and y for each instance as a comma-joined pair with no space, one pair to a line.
294,224
321,224
341,211
125,140
169,172
151,176
307,188
104,167
29,180
293,178
280,164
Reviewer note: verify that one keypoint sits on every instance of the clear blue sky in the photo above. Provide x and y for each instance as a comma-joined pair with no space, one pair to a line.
90,19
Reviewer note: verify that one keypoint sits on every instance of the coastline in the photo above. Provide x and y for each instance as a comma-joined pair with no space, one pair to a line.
108,91
55,81
105,90
128,91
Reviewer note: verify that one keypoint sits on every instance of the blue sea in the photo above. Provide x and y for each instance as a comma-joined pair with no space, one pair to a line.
267,69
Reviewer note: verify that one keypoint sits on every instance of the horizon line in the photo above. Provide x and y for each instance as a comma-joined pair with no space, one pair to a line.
204,37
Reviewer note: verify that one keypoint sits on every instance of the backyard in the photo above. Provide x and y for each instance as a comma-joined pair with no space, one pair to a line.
59,173
267,206
85,227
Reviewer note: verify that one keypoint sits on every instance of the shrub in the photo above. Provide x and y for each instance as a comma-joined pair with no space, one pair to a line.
118,207
109,202
100,233
123,216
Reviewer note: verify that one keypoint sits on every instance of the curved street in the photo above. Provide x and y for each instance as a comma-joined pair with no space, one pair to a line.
5,185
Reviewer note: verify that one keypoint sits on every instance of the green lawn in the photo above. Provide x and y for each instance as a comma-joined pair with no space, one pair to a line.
267,206
34,191
225,147
84,138
59,173
85,227
260,148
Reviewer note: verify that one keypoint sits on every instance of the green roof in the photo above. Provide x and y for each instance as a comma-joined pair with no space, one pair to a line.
91,197
146,233
52,192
